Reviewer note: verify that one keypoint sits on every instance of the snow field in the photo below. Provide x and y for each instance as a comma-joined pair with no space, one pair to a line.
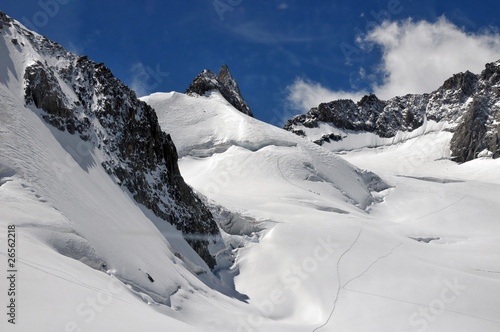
376,275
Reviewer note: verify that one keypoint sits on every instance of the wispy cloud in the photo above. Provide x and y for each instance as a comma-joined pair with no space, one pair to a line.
283,6
417,57
256,32
74,48
138,74
146,79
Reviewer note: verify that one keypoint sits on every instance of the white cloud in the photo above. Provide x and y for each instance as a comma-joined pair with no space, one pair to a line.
417,57
304,94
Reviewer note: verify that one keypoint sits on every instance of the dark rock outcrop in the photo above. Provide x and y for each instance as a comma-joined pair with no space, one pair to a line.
106,113
5,20
224,83
479,129
327,138
468,139
469,103
370,114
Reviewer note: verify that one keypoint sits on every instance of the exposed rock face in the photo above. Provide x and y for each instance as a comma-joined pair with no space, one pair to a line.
84,98
369,114
404,113
469,103
4,20
480,127
475,101
328,138
224,83
468,139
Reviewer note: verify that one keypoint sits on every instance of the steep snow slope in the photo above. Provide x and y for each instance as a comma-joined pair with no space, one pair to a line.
78,96
81,236
425,258
82,214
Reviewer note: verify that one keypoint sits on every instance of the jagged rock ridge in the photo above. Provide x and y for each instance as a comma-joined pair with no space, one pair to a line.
79,96
224,83
469,103
369,114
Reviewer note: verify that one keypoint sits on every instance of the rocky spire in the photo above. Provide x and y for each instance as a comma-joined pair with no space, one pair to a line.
224,83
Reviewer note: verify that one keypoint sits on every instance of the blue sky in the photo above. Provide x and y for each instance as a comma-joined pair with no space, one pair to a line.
286,55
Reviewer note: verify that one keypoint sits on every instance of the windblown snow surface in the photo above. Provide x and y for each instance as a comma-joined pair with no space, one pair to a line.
422,255
312,242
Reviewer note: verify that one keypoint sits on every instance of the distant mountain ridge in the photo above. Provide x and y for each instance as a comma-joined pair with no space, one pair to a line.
469,103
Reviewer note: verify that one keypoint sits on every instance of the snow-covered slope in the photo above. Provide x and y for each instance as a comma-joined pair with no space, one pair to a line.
248,149
310,242
80,235
425,258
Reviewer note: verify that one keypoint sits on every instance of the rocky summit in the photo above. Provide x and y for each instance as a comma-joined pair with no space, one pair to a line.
467,102
224,83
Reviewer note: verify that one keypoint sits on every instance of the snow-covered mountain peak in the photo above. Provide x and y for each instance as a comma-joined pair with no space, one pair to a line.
72,122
